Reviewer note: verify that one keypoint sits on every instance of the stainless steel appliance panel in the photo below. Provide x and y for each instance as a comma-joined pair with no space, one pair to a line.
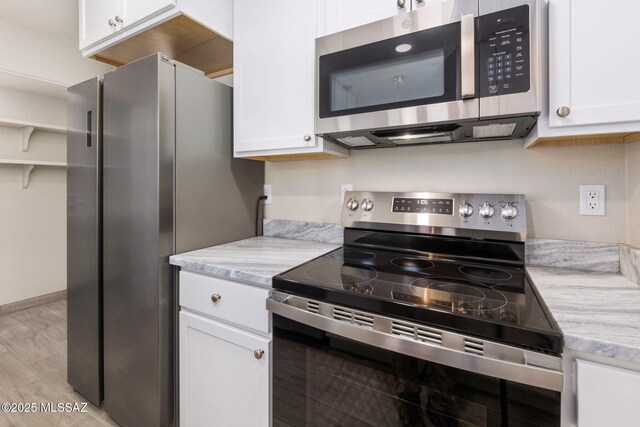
139,141
448,348
442,13
524,102
215,193
375,210
84,240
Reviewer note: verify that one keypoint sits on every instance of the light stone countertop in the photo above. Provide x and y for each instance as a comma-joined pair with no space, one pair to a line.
598,313
255,260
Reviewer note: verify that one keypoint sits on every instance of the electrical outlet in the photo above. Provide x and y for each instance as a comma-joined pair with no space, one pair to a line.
343,189
592,199
266,191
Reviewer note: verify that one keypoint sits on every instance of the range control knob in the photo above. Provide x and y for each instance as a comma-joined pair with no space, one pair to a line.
509,211
367,205
352,204
487,210
466,210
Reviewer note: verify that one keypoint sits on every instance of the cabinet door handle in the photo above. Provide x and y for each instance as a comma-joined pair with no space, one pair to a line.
400,3
563,111
111,23
119,19
307,137
216,297
258,354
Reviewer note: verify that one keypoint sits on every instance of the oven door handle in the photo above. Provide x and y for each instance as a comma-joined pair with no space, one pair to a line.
321,316
467,57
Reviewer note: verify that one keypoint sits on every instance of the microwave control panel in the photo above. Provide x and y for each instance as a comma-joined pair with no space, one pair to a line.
505,64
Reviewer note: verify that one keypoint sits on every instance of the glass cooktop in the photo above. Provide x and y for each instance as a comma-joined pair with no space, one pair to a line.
491,300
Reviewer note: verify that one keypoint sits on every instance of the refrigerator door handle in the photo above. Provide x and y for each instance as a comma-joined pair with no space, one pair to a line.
88,128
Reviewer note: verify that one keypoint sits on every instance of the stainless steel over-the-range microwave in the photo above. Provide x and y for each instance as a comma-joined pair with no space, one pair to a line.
451,71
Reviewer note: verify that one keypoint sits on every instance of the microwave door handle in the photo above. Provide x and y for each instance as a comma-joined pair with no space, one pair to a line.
467,57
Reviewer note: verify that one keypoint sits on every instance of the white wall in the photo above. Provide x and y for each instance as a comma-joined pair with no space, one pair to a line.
32,107
549,177
44,56
32,220
633,192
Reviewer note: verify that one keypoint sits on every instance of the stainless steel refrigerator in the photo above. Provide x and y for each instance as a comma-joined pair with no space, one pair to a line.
150,174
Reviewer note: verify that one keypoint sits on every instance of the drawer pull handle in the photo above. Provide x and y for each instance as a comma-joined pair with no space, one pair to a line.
216,297
258,354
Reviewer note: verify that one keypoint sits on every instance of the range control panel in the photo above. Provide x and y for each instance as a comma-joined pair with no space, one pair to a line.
499,216
431,206
505,64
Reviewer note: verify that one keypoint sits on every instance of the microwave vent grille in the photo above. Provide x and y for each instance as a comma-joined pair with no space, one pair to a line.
356,141
494,130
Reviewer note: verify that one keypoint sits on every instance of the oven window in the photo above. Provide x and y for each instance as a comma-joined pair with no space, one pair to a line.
414,69
325,380
398,80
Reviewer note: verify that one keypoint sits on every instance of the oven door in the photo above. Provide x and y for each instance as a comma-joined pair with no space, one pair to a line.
321,378
412,69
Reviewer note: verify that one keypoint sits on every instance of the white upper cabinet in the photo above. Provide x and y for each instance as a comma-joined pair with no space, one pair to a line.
101,19
593,69
135,11
98,20
593,87
339,15
274,80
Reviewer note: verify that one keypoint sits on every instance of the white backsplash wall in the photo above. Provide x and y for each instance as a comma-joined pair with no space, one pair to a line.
549,177
633,190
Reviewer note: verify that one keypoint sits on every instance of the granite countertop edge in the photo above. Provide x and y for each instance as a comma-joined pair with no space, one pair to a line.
574,297
251,261
597,313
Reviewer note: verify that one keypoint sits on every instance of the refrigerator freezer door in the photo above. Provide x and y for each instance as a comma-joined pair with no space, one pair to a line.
139,121
84,245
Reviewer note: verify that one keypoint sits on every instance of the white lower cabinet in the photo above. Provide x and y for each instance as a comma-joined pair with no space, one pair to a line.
607,395
224,369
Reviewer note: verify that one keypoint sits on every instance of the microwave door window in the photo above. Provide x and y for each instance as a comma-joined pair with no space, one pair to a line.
395,80
420,68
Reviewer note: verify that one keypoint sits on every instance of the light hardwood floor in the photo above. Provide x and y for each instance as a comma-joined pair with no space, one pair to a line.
33,369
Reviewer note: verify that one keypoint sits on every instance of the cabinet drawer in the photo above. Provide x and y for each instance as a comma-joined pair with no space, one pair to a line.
237,303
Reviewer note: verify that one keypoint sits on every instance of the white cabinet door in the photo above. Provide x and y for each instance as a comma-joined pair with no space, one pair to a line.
339,15
139,10
607,396
273,65
593,61
222,382
95,19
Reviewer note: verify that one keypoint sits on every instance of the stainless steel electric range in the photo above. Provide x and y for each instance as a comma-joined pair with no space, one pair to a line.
424,317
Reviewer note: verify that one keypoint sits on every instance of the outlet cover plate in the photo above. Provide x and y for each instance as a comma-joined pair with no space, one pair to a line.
592,200
266,190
